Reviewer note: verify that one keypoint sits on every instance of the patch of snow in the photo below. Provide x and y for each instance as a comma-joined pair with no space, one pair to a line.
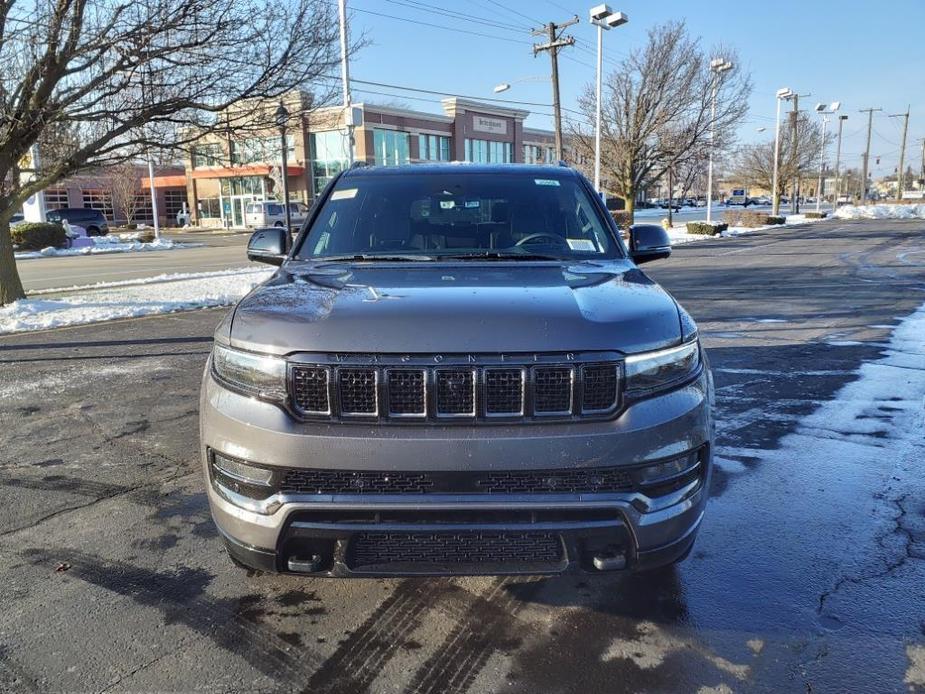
678,233
129,301
156,279
107,244
881,212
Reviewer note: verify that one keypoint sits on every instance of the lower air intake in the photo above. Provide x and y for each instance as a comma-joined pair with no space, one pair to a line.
378,549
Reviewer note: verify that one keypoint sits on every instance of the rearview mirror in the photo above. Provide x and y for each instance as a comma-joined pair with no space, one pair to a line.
648,242
268,245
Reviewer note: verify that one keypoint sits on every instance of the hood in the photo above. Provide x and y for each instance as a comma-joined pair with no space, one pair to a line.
465,307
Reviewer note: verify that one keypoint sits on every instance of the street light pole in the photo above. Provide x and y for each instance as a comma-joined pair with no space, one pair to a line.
821,110
782,94
282,117
157,225
603,18
345,78
717,66
841,122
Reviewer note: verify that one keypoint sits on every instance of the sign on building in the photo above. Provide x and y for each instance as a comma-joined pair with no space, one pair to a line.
483,124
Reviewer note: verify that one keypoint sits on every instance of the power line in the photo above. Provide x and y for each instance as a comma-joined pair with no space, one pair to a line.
424,7
439,26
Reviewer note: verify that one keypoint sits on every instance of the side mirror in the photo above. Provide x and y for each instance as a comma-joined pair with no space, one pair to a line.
648,242
268,245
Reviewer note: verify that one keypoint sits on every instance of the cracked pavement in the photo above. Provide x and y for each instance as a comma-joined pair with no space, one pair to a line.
808,573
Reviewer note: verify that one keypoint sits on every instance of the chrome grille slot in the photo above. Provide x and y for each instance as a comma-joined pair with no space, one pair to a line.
310,389
407,392
356,389
504,392
552,390
455,392
599,387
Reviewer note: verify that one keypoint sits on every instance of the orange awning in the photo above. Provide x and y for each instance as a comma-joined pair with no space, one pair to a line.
175,181
252,170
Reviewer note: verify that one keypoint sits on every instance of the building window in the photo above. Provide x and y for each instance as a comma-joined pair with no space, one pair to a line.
99,200
434,147
56,198
261,150
538,154
242,185
488,151
210,208
208,154
142,212
328,153
174,200
392,148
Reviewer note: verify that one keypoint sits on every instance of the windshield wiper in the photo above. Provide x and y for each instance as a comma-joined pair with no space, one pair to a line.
366,257
499,255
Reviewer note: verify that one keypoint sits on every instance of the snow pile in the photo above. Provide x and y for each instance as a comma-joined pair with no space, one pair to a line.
107,244
131,300
678,233
881,212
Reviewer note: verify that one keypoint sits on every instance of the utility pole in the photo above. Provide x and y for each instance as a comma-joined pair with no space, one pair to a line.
555,41
870,126
345,78
902,153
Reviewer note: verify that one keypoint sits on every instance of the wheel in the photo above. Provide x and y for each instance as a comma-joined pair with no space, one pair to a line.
93,231
278,224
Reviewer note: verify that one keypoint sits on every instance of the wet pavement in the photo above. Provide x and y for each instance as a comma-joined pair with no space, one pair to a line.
808,575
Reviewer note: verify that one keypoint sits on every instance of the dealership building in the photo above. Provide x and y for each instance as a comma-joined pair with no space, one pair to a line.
224,174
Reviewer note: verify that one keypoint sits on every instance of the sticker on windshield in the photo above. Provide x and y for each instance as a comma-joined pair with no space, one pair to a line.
581,244
345,194
546,181
472,203
447,204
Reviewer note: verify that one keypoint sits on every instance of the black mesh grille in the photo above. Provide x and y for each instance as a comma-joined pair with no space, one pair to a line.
504,391
357,391
320,481
370,549
553,481
406,392
552,390
310,388
599,387
308,481
455,394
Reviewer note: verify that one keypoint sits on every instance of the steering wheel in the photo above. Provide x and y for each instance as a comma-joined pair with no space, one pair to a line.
542,235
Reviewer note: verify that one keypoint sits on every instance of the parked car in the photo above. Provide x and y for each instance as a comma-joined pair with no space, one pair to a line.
18,218
457,370
91,220
665,204
270,213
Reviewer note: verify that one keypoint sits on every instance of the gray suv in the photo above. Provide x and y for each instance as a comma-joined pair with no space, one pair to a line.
457,369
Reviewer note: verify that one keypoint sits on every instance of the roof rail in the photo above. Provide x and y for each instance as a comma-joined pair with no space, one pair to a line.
359,163
562,163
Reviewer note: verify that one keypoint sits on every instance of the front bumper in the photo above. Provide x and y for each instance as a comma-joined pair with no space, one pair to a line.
318,533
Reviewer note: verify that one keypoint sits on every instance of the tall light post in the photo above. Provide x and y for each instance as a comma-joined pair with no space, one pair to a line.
282,118
349,118
822,111
718,66
604,19
782,94
841,122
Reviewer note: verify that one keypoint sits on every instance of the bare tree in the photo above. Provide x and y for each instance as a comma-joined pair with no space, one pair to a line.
754,164
97,82
656,111
122,181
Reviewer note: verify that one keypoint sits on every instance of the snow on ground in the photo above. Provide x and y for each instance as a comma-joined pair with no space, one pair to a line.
881,212
123,243
129,300
678,233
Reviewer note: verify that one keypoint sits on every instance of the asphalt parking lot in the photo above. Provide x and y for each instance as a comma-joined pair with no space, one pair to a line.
808,574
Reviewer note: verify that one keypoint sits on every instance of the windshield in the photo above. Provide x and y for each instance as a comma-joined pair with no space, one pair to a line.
460,215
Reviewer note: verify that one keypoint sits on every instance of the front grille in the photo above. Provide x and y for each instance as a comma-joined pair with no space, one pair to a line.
461,390
372,549
593,480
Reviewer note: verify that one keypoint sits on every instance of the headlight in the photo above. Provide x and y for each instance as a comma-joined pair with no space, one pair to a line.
665,368
259,375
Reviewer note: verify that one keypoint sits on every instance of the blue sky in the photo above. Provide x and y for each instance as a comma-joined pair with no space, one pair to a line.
862,54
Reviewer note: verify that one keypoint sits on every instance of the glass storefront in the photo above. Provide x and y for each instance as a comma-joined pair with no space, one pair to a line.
235,193
434,147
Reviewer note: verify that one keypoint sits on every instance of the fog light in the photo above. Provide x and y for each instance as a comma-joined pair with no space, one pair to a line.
241,471
670,469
